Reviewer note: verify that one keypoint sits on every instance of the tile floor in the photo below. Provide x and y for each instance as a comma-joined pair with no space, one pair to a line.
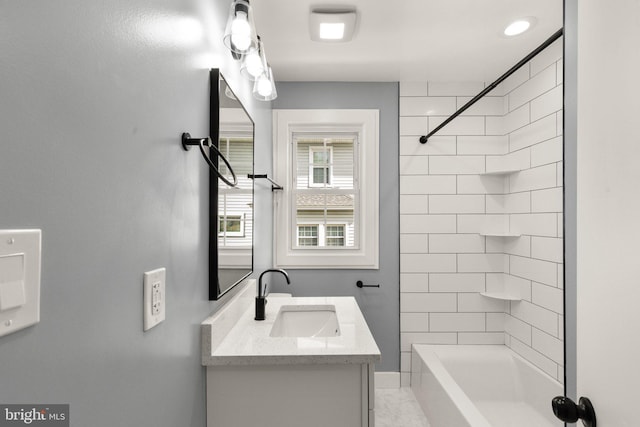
397,407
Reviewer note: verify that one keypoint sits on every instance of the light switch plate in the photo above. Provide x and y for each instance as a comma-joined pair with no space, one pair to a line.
20,254
154,297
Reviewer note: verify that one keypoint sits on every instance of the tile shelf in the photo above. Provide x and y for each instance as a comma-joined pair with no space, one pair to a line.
501,172
500,234
507,164
500,296
502,166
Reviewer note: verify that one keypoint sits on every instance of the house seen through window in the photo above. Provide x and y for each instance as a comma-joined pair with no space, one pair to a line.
326,193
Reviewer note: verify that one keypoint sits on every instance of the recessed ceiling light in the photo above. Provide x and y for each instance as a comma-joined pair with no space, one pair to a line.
332,31
519,26
332,25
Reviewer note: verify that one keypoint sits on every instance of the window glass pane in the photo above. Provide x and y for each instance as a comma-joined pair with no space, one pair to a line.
308,242
325,161
239,151
320,157
335,242
335,231
335,235
307,235
321,175
307,230
343,166
235,225
335,213
230,225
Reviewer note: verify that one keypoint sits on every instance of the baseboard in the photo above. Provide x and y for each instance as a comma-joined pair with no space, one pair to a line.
387,380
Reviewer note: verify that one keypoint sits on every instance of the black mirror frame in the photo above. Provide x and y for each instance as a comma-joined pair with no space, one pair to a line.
215,291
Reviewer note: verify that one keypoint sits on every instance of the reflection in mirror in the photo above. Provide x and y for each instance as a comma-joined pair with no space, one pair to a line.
231,222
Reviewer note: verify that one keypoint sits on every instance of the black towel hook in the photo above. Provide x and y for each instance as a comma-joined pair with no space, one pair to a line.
187,142
362,285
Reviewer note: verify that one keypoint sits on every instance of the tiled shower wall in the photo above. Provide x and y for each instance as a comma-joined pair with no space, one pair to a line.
481,211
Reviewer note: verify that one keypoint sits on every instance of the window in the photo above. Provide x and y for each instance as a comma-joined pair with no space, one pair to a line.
307,235
327,215
321,235
334,235
320,165
231,225
325,192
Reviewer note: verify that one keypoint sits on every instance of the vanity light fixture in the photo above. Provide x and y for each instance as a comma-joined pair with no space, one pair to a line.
264,88
240,33
254,62
245,45
332,25
519,26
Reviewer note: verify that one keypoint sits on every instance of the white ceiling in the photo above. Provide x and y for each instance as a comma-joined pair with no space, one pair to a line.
410,40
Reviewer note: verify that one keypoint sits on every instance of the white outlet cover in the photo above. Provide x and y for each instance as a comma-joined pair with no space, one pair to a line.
20,265
154,297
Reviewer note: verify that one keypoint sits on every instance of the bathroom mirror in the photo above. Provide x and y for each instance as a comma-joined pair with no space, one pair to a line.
231,208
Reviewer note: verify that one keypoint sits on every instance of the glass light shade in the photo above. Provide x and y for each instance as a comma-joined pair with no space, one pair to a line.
264,88
253,62
240,33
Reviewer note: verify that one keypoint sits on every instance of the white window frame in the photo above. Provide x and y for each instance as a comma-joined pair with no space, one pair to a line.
365,253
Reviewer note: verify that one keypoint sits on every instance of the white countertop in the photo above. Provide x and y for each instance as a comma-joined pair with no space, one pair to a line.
247,341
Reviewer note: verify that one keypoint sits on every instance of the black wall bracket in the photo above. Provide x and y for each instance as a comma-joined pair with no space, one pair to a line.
362,285
274,185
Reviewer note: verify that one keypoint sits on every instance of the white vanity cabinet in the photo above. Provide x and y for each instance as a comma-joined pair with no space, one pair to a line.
339,395
254,379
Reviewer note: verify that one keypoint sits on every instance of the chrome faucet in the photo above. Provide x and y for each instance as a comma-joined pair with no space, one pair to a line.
261,299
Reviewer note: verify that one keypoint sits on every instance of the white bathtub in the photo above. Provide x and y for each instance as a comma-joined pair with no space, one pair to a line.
481,386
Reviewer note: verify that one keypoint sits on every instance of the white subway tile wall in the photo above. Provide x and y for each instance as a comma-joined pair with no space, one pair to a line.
459,189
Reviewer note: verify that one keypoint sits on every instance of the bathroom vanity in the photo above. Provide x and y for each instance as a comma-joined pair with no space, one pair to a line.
264,373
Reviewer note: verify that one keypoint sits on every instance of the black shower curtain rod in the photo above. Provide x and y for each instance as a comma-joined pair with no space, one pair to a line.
543,46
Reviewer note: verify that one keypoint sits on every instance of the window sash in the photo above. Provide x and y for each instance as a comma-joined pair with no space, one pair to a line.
308,234
301,138
327,218
324,166
335,235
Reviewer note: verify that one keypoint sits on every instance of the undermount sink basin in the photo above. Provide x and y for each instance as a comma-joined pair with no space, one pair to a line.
306,321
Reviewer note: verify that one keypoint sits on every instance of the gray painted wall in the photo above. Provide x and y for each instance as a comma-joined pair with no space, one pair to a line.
381,307
93,99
